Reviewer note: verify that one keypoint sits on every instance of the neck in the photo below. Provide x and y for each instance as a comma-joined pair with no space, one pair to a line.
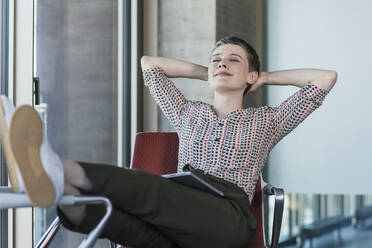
226,103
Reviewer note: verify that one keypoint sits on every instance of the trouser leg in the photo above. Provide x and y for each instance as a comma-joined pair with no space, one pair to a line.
187,216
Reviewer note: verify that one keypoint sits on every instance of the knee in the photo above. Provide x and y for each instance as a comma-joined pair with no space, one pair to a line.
243,234
249,233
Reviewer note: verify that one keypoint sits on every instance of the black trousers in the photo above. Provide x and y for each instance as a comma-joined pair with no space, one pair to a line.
151,211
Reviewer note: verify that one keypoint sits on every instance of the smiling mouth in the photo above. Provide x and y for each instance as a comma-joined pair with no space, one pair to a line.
223,74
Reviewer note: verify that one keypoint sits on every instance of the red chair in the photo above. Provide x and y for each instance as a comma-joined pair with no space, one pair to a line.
157,153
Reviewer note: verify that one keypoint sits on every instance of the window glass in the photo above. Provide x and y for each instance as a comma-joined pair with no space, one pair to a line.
76,63
325,220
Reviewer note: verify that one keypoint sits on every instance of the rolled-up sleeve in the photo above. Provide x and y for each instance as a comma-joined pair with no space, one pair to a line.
170,100
290,113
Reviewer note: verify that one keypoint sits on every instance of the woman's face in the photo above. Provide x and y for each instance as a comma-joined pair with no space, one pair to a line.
228,69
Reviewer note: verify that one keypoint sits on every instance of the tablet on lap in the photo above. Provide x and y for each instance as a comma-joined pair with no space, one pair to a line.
189,179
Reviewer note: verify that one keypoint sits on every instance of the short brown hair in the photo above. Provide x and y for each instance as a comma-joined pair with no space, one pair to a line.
253,59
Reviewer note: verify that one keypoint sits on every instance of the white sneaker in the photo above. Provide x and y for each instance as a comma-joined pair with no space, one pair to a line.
40,167
6,112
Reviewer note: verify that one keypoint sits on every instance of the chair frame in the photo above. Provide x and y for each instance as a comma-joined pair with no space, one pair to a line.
20,200
278,193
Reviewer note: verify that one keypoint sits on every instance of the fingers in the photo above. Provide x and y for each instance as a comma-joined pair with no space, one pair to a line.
253,88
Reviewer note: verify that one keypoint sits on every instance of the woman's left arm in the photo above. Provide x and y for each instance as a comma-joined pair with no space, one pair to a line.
324,79
315,85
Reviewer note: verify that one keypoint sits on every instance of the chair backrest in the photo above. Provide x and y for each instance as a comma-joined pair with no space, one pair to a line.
157,153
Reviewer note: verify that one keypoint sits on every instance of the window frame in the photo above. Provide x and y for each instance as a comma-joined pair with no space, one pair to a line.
4,90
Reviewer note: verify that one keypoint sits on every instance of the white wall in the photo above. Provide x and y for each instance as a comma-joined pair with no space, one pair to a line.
331,151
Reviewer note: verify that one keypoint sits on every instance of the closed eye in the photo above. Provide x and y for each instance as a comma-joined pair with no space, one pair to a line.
232,59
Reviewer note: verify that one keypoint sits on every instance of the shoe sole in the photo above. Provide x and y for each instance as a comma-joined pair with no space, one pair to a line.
9,158
25,137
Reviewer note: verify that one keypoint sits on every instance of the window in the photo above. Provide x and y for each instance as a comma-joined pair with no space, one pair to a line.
76,63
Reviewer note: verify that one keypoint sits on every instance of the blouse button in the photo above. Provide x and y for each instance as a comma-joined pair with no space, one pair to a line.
220,124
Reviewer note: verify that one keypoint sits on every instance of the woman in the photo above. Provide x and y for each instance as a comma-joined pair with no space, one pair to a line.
224,144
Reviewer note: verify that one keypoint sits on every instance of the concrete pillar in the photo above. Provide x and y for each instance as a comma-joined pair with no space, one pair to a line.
187,30
244,19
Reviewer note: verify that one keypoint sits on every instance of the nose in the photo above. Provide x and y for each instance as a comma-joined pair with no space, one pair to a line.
222,64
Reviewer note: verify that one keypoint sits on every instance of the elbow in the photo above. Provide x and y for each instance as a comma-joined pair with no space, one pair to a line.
148,62
333,76
330,80
145,62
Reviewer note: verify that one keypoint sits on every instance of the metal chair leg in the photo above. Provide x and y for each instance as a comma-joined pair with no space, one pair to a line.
49,234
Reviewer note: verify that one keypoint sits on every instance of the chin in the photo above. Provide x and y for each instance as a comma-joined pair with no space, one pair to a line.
221,82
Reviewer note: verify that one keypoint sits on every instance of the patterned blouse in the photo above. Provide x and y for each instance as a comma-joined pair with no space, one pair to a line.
234,148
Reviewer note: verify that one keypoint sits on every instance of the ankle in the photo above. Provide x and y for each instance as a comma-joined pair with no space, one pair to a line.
70,190
74,214
75,175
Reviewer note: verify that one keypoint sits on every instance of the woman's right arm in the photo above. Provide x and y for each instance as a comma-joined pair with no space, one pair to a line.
174,68
156,74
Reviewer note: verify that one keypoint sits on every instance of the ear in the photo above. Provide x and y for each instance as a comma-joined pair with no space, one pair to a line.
252,77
